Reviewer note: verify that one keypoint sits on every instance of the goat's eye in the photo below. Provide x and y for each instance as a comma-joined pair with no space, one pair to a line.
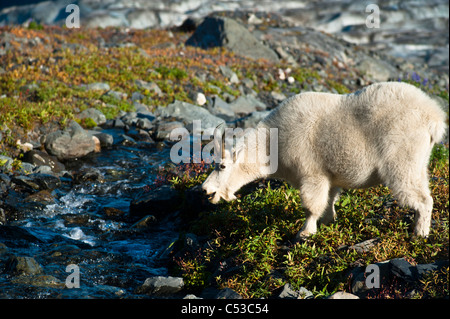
222,166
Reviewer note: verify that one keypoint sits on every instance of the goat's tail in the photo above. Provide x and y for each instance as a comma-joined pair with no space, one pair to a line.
438,129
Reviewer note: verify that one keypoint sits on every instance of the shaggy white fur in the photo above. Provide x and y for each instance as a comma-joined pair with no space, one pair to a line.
383,133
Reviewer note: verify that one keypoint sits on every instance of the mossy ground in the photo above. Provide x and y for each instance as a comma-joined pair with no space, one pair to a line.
252,236
40,86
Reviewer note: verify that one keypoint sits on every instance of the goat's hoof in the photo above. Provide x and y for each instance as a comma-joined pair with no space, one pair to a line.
301,237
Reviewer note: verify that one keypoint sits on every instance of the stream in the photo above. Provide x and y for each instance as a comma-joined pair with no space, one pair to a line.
87,227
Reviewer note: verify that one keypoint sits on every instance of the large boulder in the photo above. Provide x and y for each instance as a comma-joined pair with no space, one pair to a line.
73,142
226,32
187,113
157,202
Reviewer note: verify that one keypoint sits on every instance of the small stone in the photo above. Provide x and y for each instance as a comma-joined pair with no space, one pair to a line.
98,86
288,293
365,246
144,222
161,285
199,98
343,295
23,266
94,114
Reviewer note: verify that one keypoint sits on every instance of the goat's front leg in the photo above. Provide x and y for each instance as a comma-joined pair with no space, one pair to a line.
314,193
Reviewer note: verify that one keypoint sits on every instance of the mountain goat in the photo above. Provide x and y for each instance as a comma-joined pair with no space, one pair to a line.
383,133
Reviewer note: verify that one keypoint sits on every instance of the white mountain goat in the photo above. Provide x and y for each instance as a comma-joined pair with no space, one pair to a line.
383,133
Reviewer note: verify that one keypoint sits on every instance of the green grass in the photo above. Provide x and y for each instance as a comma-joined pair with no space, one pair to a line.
252,232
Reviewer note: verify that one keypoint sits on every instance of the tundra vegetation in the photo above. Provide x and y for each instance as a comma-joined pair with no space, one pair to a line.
249,238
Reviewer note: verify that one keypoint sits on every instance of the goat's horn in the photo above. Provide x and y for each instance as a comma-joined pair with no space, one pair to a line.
220,129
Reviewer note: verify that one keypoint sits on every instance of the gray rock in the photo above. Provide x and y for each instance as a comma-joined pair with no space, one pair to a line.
117,95
39,158
144,124
98,86
71,143
150,86
288,293
106,140
376,70
45,181
245,105
39,281
226,32
229,74
187,113
5,163
88,174
160,285
164,129
37,181
221,108
365,246
401,268
253,119
19,265
343,295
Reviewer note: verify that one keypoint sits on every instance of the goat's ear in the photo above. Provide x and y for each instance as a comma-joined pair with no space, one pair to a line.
219,138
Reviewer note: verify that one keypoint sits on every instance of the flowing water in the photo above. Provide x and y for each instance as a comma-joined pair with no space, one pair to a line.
113,259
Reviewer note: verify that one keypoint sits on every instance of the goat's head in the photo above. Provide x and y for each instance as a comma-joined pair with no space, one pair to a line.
219,183
236,167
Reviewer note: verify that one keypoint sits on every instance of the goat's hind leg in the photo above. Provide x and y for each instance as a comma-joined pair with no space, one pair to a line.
314,194
329,216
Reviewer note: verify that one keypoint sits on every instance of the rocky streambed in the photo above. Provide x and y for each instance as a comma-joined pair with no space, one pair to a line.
81,217
84,209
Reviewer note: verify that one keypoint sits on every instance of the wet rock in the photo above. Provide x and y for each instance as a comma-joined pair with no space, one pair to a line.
88,174
144,223
37,181
15,236
343,295
113,213
46,181
3,248
39,158
71,143
43,197
106,140
25,181
287,292
19,265
144,123
160,285
39,281
226,32
93,114
156,202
